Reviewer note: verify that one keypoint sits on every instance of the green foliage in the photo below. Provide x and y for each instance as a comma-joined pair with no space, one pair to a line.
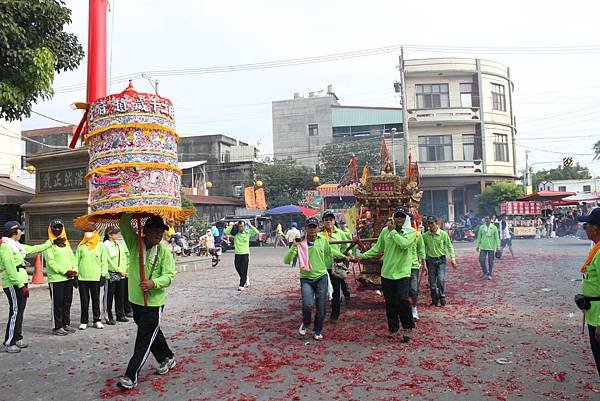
576,172
32,47
335,156
284,181
186,203
494,194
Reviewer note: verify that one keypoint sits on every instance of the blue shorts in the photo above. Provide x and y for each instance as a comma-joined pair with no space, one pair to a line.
505,242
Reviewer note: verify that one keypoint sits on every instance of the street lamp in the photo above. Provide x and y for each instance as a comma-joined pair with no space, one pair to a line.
209,185
316,179
259,183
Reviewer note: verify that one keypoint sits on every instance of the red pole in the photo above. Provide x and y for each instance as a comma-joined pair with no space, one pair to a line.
96,78
141,252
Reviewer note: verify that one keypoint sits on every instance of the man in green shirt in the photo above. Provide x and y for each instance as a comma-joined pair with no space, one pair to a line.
590,286
159,272
488,241
241,241
418,251
313,259
437,247
395,242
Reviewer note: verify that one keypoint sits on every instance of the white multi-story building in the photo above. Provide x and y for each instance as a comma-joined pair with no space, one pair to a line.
10,139
460,128
590,185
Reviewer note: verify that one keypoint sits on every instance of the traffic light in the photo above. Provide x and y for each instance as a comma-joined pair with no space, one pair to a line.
567,161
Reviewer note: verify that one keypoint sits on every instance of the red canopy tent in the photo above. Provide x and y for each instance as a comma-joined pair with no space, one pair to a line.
546,196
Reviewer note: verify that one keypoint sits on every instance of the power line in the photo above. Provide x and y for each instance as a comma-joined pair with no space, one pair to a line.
51,118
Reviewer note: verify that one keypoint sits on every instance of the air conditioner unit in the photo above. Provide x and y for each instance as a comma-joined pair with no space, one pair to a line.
238,190
478,166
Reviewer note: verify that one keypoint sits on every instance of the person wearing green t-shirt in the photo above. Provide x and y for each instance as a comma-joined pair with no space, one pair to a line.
147,295
437,248
91,265
15,281
590,286
418,251
487,242
61,268
241,241
395,242
313,257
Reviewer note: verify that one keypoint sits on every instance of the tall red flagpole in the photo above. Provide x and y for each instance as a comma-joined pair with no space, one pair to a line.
96,73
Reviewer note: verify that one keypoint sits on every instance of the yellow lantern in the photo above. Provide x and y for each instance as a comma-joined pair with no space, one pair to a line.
316,179
30,169
209,185
259,183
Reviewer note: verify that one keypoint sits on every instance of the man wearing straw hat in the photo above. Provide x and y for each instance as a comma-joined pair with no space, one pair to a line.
147,295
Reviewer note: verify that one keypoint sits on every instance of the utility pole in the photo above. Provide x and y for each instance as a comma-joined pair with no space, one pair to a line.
404,113
526,175
393,131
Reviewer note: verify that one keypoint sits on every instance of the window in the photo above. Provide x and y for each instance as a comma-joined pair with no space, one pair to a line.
434,203
562,188
587,188
501,147
468,146
435,148
432,96
498,97
466,91
313,129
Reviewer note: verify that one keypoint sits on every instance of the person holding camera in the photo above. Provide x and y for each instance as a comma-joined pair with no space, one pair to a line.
241,241
115,287
91,265
589,301
15,281
61,268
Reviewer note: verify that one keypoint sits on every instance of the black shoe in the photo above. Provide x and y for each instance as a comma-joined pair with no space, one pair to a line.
69,329
443,302
122,319
110,322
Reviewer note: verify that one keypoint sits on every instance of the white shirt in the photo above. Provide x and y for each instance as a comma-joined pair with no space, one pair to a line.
504,232
292,234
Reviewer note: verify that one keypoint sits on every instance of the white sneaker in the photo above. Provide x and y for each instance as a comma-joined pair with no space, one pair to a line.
247,282
82,326
21,344
240,288
98,325
302,329
415,313
318,336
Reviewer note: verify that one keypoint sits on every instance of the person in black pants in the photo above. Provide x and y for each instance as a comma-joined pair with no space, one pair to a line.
241,240
147,296
115,286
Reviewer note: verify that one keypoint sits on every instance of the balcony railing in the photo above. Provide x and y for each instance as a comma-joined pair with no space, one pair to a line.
461,114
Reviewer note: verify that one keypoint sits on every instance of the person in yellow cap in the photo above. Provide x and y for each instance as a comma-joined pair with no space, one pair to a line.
92,268
61,268
14,281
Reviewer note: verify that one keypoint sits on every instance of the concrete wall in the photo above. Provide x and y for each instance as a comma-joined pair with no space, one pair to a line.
290,128
10,141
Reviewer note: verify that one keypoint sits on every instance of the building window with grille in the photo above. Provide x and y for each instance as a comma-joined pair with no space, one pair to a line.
562,188
466,95
498,97
587,188
432,96
313,129
501,147
435,148
468,146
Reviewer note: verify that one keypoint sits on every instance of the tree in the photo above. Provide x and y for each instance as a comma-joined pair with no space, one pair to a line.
33,46
500,191
335,156
576,172
284,181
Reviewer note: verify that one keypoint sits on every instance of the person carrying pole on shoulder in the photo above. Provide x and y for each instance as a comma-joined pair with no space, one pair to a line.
15,281
147,295
395,242
418,250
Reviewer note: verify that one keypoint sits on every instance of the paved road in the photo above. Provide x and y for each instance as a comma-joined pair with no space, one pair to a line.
244,346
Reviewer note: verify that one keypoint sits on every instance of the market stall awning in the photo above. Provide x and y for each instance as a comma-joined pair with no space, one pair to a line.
291,209
546,196
584,198
13,193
